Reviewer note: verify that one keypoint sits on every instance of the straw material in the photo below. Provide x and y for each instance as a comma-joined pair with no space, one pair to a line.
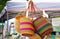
26,27
43,26
16,23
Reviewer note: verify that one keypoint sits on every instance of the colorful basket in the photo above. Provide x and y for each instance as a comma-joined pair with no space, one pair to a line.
43,26
26,27
16,23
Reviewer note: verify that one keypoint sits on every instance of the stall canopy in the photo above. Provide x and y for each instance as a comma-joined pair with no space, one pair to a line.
11,5
15,6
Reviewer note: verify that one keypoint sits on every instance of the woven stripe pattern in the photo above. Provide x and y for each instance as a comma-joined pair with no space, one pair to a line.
26,27
43,26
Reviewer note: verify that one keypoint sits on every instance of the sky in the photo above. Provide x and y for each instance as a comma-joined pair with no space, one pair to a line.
40,0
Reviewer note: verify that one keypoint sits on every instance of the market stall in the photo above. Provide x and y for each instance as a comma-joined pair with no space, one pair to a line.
20,7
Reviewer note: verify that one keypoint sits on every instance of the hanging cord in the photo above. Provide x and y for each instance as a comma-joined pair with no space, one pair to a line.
31,8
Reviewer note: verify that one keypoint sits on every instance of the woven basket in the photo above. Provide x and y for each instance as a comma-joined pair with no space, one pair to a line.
43,26
26,27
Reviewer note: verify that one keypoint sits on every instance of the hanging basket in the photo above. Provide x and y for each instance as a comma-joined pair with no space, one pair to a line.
26,27
43,26
16,23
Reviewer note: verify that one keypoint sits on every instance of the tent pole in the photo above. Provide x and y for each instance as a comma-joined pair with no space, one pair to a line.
7,23
2,28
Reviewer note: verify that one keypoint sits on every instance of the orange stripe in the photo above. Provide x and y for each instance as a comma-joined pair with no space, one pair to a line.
41,23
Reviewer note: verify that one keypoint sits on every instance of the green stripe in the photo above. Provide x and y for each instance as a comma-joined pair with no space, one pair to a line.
38,21
45,26
44,29
24,19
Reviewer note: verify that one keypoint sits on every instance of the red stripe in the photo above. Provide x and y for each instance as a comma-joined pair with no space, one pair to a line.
27,29
47,31
41,23
25,22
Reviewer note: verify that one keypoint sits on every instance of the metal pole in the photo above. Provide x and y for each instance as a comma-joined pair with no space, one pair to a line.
7,22
2,28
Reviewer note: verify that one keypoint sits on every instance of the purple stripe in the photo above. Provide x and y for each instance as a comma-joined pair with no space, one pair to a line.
27,29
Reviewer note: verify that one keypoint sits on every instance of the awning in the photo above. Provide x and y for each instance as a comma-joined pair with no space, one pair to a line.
17,6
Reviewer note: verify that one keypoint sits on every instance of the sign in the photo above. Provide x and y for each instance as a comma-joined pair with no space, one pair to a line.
56,28
56,24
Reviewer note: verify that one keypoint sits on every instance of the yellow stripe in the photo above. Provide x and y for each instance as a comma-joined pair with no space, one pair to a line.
27,31
26,26
25,20
39,20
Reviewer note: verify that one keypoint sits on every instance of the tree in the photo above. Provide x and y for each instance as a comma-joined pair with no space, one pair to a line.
2,4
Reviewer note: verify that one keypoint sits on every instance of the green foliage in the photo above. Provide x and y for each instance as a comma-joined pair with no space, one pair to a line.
1,7
14,33
2,4
8,35
3,1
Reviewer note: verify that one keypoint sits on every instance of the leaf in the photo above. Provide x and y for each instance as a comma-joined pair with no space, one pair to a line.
14,33
8,35
1,7
2,4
